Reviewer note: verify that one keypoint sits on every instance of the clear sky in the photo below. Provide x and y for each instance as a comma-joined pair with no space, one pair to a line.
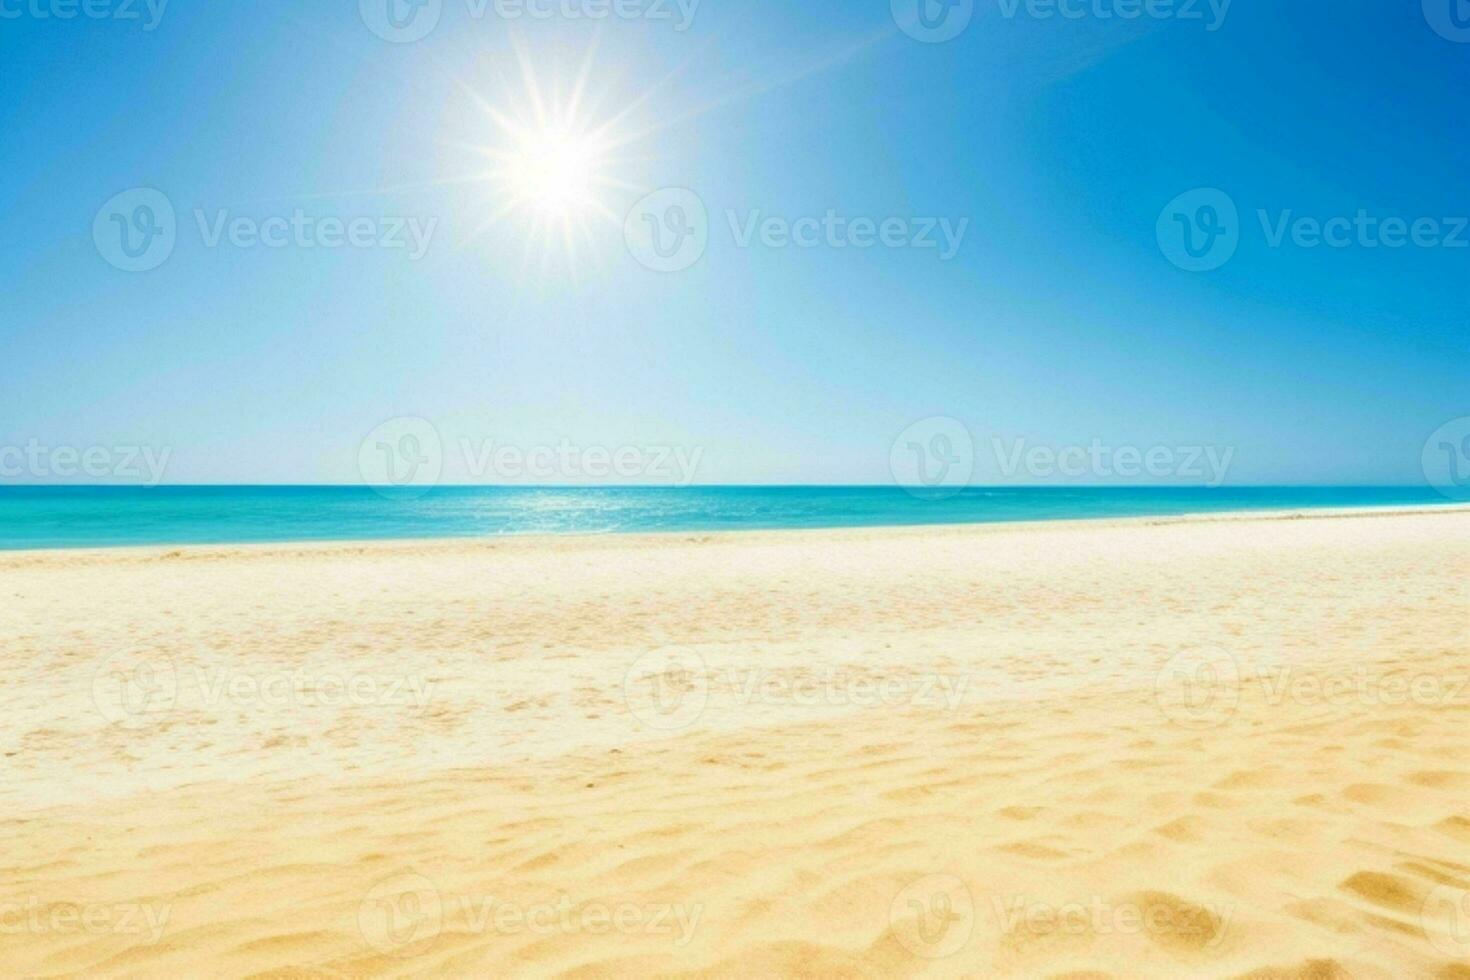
1056,144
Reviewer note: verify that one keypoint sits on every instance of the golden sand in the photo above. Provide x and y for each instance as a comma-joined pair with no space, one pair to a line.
1206,747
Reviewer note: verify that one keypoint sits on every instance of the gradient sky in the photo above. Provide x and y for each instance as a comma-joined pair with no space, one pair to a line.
1060,320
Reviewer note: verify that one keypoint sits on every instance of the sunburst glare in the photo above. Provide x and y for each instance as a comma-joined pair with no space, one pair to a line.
556,163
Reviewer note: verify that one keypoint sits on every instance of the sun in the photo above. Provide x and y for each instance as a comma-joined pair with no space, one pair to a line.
555,172
550,157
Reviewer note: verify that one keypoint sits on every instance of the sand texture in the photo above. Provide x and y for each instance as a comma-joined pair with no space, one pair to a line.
1227,747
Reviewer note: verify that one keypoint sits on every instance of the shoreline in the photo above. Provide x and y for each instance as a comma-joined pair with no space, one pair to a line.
535,538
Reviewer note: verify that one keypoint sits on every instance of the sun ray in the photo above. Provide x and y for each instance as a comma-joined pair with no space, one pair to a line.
773,81
531,88
584,74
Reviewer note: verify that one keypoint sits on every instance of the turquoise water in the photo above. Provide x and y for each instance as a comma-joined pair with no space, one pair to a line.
86,517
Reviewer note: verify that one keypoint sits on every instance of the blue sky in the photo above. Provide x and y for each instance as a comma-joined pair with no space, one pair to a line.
1059,320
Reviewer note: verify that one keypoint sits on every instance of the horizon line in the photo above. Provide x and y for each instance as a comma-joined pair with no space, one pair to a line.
712,486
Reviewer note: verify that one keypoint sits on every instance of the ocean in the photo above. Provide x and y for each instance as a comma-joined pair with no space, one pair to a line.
90,517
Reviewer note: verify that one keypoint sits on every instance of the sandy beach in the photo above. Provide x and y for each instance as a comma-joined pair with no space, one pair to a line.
1217,747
